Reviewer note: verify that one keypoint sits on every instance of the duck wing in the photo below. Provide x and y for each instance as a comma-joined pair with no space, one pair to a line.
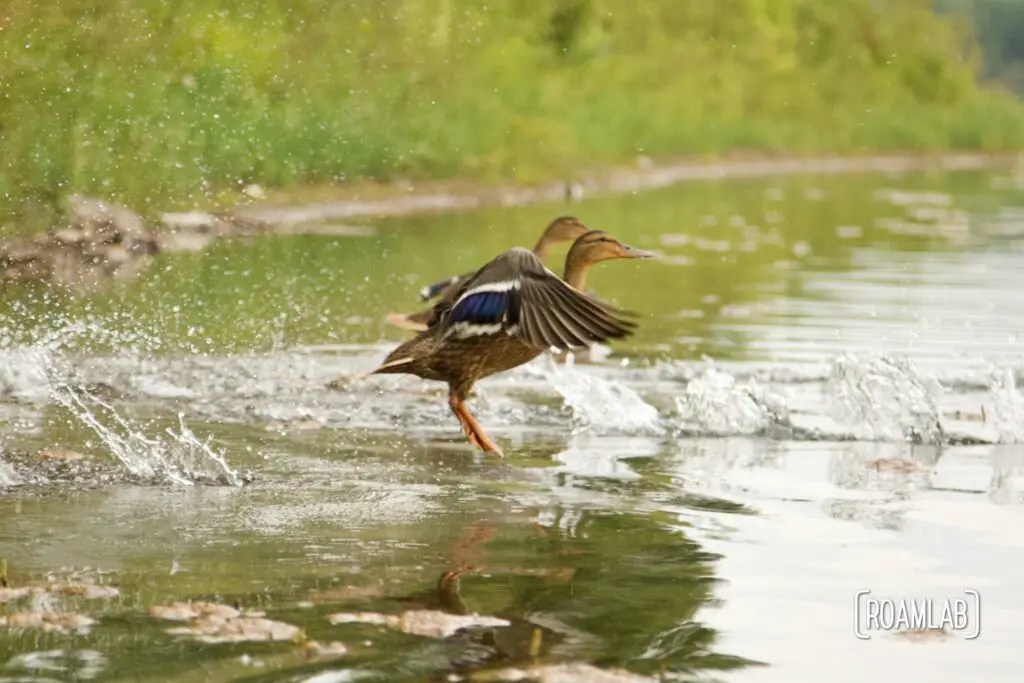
444,288
516,295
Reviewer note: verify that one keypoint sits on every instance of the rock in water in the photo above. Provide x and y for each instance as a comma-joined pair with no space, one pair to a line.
104,223
102,241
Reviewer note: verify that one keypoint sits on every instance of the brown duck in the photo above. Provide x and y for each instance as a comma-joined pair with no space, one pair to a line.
562,229
506,314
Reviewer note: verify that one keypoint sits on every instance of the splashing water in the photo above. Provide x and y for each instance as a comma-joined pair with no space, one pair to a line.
24,373
179,457
8,476
601,406
714,403
884,398
1009,408
40,372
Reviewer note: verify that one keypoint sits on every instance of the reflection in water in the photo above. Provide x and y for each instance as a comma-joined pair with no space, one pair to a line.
576,582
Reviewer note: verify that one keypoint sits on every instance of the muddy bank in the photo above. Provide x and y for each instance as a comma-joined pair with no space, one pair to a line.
400,199
101,242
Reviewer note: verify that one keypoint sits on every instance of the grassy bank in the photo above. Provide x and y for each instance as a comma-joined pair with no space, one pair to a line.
172,104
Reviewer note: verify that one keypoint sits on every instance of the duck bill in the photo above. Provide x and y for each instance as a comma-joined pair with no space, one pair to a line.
633,252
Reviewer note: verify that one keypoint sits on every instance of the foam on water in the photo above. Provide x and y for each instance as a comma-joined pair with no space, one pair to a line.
602,406
884,398
8,476
23,373
1009,407
875,398
715,403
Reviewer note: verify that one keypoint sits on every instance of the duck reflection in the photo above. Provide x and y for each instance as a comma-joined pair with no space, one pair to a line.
578,583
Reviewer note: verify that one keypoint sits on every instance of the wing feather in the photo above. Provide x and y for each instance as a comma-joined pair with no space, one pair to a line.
517,295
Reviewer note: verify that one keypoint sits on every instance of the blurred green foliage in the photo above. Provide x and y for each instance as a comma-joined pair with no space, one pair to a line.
165,105
1000,29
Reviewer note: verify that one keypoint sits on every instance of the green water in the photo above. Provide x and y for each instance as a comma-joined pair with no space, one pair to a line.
725,245
655,512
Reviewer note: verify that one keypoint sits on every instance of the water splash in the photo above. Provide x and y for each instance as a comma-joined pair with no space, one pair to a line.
1006,485
177,457
884,398
602,406
715,403
39,371
8,475
24,373
1009,407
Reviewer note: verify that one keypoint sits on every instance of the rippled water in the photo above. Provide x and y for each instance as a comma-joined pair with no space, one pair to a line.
822,399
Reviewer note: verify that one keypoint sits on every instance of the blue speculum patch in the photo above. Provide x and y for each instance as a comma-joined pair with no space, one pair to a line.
485,307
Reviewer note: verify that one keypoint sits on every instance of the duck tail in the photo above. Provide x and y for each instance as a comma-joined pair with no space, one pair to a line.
390,365
406,322
396,362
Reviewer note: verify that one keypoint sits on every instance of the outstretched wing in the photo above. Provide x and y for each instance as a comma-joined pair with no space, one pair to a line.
516,295
447,286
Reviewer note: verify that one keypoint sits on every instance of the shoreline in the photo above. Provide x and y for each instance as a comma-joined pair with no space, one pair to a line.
286,211
103,242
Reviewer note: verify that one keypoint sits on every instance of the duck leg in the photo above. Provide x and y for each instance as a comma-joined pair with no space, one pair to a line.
474,432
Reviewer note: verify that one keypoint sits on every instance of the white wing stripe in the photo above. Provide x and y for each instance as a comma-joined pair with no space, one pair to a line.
462,330
502,286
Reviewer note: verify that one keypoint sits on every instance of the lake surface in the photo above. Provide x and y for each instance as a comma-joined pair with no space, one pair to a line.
821,399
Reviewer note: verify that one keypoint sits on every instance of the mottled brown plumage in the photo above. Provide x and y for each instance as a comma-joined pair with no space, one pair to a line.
562,229
506,314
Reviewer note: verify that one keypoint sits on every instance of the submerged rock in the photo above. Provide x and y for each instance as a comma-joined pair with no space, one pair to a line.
48,622
183,611
59,454
101,222
429,623
920,635
190,231
8,594
324,651
210,622
87,591
211,629
895,466
574,672
101,241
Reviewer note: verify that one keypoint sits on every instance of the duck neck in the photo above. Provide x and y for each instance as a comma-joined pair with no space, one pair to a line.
542,248
576,272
